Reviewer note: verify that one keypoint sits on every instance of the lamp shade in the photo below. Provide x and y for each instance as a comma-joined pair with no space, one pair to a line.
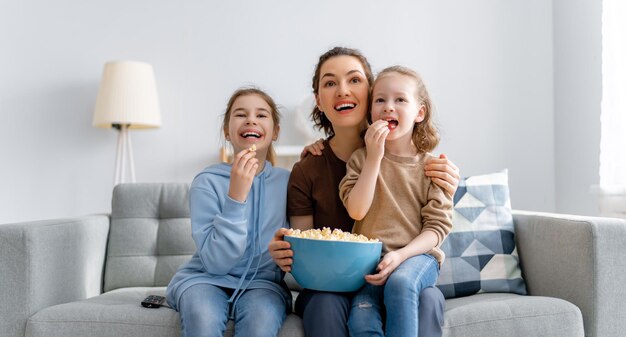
127,96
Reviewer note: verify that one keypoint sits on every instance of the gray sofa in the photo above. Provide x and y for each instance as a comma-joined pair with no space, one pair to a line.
86,276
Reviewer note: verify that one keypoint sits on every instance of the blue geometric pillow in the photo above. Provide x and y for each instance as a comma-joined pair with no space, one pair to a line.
481,256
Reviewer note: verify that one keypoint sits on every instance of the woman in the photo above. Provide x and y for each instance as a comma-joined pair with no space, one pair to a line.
341,84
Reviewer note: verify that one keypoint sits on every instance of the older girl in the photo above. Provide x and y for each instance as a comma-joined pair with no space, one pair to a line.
231,275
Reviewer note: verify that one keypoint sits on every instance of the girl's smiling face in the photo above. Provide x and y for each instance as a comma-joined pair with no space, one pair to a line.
251,124
394,99
343,91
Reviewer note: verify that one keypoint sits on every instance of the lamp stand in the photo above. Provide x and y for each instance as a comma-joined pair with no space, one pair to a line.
124,151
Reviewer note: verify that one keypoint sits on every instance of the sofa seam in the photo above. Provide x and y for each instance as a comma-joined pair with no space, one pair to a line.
28,247
136,255
96,322
158,229
148,217
594,237
63,222
512,318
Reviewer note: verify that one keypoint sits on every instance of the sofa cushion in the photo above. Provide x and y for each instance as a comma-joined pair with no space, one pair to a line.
116,313
501,314
481,255
150,235
119,313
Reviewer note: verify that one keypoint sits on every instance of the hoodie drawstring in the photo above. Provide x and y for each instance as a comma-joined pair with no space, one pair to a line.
257,208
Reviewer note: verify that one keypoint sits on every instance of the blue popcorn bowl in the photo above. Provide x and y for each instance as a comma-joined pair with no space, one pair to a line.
338,266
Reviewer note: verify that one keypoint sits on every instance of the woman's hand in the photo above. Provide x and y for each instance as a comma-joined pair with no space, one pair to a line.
280,250
314,149
443,173
242,174
390,262
375,139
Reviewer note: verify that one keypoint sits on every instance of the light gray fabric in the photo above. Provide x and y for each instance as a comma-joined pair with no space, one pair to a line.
504,314
116,313
44,263
119,313
569,264
609,278
150,235
579,259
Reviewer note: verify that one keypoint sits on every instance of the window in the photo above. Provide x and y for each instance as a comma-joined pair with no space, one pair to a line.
613,117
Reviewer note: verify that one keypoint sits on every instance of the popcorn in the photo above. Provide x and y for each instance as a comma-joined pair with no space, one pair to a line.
326,234
253,147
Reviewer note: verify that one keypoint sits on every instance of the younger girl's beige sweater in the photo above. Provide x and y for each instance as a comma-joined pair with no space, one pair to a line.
406,202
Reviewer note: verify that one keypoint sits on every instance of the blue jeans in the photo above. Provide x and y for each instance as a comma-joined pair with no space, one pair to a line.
204,311
398,301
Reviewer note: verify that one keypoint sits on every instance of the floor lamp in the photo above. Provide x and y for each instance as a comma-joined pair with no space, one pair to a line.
127,99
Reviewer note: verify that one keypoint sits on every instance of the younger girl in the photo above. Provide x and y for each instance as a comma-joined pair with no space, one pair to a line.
232,275
386,191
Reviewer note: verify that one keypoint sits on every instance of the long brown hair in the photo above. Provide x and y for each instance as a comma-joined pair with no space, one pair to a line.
425,134
271,154
318,117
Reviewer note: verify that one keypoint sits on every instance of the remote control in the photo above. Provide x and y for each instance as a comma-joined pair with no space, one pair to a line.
153,301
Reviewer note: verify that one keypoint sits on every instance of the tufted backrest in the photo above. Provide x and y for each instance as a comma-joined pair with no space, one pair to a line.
150,234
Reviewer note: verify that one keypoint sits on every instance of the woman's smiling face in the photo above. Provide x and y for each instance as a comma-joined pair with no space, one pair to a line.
343,91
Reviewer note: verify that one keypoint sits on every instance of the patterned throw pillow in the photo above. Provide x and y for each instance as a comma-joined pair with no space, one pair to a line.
481,256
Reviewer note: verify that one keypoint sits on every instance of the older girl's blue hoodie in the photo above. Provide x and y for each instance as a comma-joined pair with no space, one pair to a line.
232,237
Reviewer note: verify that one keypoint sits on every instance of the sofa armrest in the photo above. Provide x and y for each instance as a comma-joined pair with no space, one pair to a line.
49,262
578,259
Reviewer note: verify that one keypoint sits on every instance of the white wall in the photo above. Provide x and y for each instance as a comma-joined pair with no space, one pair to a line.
577,97
488,63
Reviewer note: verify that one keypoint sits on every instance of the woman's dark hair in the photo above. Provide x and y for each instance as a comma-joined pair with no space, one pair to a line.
318,117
